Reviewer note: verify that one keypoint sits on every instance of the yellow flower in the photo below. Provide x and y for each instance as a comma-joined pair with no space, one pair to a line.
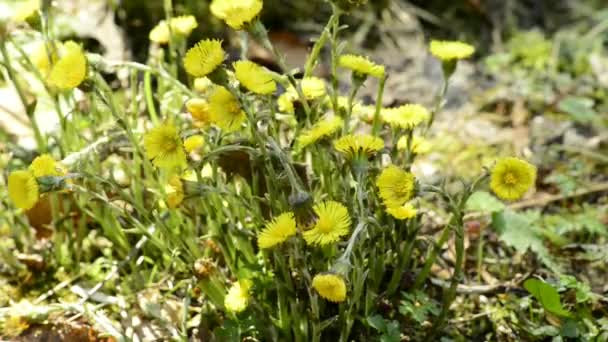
236,13
319,130
407,116
451,50
71,68
164,147
277,231
361,65
512,177
175,192
333,222
361,145
23,189
420,145
395,186
285,102
26,10
402,212
181,26
238,296
44,165
199,109
225,110
202,84
204,57
312,87
14,326
193,143
330,286
254,77
43,60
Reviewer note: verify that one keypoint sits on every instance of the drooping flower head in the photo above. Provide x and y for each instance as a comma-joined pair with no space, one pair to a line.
361,65
236,13
175,192
164,147
512,177
322,129
254,77
238,296
44,165
277,231
199,109
71,67
395,186
333,222
44,57
204,57
180,26
420,145
23,189
194,143
355,146
451,50
330,286
407,116
225,110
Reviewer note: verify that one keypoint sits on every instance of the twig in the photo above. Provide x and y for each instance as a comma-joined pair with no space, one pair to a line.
75,157
483,289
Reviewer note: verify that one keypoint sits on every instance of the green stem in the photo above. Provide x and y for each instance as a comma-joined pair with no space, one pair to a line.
376,122
150,97
438,104
430,260
311,62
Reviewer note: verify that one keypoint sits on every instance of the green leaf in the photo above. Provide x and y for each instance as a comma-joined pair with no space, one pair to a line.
377,322
484,202
579,108
547,295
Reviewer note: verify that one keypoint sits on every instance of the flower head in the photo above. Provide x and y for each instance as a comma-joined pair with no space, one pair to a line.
199,109
254,77
356,146
407,116
312,87
512,177
225,110
164,147
43,59
330,286
451,50
181,26
285,102
71,68
402,212
333,222
420,145
361,65
194,142
202,84
238,296
23,189
277,231
204,57
175,192
319,130
236,13
395,186
44,165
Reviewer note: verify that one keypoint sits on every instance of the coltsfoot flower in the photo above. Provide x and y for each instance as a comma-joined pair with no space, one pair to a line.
333,222
238,296
277,231
330,286
164,147
204,57
361,65
193,143
254,77
407,116
402,212
451,50
71,67
44,165
358,146
236,13
43,58
175,192
23,189
181,26
395,186
225,110
319,130
512,177
420,145
199,109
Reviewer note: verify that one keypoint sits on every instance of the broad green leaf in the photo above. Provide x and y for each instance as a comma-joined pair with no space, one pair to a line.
547,295
579,108
484,202
377,322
